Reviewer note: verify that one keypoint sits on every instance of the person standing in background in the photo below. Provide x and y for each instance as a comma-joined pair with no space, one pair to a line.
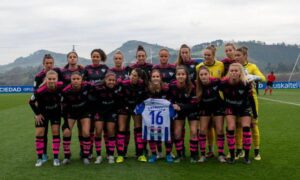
271,78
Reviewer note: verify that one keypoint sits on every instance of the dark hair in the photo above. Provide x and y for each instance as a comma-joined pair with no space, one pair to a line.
110,73
179,60
47,56
212,48
188,82
140,48
72,52
142,75
199,84
243,50
76,73
102,54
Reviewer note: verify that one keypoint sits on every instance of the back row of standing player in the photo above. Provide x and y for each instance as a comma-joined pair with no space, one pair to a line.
133,87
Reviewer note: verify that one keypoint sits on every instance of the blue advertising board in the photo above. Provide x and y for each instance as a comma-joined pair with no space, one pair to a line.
282,85
16,89
29,89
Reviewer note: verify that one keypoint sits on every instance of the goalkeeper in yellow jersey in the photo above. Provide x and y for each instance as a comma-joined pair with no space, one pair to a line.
253,74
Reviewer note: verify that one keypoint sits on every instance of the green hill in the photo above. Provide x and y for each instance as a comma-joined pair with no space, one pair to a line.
277,57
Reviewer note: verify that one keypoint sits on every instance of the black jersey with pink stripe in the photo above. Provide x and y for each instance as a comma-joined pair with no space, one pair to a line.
106,99
191,67
95,73
66,73
147,68
76,101
180,96
121,74
47,102
133,94
236,95
210,97
167,72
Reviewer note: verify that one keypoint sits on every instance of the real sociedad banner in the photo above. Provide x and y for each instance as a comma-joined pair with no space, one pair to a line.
281,85
16,89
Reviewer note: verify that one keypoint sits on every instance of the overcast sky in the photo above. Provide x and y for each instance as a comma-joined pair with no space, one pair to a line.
27,26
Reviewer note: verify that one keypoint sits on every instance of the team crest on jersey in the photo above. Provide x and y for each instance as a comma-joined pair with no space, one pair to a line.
171,73
192,66
241,91
103,70
85,93
215,88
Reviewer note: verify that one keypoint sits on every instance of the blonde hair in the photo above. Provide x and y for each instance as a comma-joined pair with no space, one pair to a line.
243,76
50,72
119,52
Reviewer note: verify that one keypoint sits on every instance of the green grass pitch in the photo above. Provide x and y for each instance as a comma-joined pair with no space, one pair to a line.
280,147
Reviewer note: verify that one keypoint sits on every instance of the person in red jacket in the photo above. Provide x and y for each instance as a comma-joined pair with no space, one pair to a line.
271,79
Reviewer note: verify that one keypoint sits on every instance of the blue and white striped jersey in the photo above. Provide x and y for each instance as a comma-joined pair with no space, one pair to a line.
157,115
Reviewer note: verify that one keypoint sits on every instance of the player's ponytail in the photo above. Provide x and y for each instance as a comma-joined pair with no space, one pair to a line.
212,48
243,50
47,56
142,75
140,48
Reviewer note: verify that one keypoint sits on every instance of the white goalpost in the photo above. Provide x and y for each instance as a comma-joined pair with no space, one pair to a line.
294,67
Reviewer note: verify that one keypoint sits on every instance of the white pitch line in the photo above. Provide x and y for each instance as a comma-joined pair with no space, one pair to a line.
279,101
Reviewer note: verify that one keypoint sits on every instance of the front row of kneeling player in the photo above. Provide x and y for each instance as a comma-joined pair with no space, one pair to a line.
109,105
